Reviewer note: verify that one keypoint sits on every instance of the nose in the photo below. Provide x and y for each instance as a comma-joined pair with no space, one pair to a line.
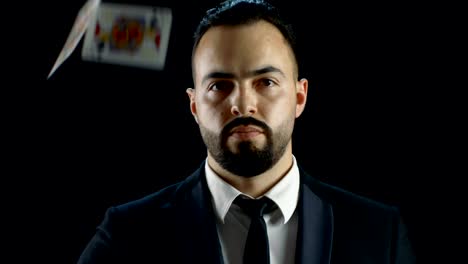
244,102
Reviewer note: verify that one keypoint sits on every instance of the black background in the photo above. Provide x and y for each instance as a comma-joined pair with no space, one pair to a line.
96,135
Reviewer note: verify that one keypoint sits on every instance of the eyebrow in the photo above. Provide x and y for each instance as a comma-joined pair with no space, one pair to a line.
226,75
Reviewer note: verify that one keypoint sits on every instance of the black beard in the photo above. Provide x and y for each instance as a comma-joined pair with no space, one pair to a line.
249,161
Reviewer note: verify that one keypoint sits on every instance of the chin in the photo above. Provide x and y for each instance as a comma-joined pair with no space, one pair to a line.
251,144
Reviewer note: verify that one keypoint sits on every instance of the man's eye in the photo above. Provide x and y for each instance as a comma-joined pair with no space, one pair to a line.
221,86
267,82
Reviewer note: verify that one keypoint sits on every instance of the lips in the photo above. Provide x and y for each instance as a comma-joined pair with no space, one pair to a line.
246,129
245,132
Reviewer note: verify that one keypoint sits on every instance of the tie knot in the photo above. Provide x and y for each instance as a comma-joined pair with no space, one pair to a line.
255,207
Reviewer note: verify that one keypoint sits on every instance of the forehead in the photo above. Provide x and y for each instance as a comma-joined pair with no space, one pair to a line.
242,48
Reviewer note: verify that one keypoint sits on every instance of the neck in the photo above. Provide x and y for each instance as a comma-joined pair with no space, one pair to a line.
258,185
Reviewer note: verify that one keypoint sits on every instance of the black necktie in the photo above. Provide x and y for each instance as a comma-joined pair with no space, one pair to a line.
257,250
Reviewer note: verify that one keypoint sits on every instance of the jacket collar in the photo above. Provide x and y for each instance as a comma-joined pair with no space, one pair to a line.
314,239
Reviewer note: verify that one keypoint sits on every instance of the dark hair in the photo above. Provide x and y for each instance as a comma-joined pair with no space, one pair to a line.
242,12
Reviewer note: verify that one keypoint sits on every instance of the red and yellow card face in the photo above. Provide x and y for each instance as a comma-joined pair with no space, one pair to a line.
128,35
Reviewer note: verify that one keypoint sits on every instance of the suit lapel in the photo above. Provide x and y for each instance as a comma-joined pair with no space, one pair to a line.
197,221
315,229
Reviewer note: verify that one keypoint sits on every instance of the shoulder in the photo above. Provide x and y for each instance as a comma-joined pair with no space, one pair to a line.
360,222
346,200
163,199
150,207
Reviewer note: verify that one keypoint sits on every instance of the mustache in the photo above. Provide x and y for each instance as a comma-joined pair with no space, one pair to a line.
244,121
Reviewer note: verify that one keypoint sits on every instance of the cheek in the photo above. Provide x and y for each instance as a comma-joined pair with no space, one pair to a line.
278,110
212,115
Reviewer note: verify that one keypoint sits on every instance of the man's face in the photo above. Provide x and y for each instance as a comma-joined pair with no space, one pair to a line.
246,97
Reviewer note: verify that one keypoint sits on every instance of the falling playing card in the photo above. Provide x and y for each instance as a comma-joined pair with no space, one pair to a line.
128,35
86,13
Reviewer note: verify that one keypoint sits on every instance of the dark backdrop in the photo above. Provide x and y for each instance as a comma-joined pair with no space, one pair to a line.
99,135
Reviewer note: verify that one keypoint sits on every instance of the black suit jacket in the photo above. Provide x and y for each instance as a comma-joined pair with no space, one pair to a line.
177,225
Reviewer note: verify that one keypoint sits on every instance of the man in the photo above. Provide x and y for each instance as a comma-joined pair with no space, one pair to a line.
245,99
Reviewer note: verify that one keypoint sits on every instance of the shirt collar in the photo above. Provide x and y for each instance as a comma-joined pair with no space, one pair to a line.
285,193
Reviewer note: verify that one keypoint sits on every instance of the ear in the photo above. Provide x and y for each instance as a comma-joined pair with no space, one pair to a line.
301,95
193,105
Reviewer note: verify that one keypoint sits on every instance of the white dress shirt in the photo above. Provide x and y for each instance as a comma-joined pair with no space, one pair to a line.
233,224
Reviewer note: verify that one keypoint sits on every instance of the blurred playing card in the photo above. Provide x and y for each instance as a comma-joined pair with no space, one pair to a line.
128,35
85,15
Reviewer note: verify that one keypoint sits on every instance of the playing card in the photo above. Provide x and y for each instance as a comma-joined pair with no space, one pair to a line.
85,15
128,35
